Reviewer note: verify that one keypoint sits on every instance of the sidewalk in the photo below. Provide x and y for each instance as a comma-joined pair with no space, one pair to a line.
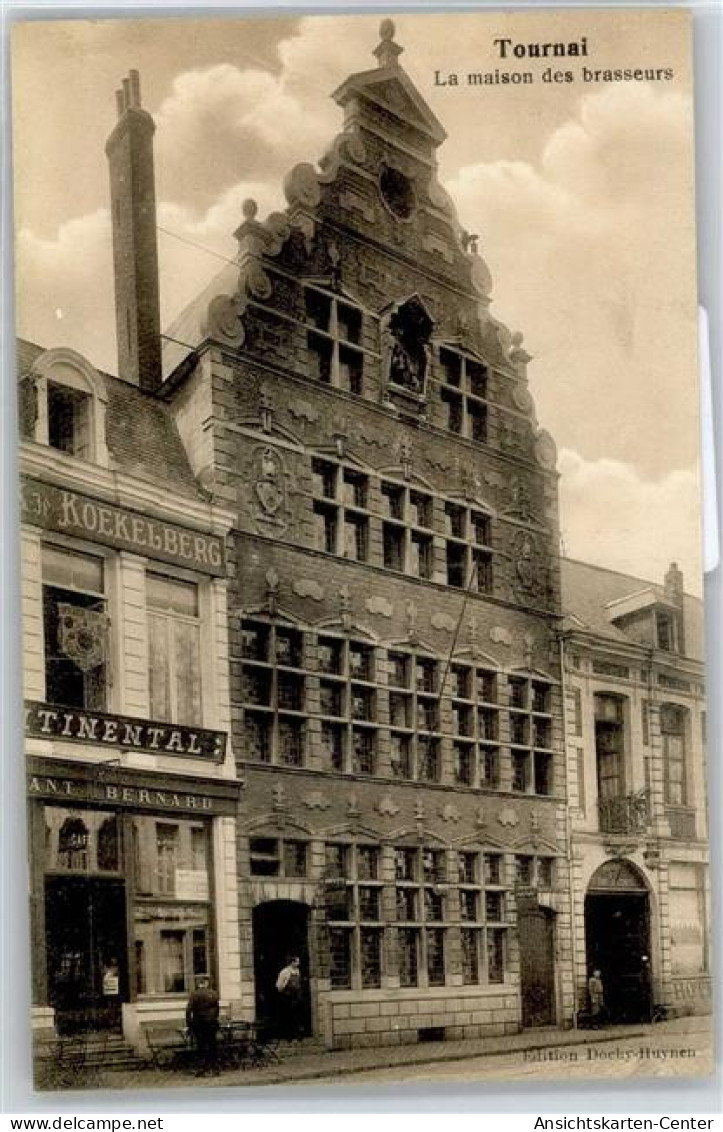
297,1066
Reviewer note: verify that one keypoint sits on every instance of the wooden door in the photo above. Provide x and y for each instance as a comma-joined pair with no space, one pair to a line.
537,966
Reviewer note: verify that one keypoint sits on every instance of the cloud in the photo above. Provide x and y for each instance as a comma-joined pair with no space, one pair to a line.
613,516
589,265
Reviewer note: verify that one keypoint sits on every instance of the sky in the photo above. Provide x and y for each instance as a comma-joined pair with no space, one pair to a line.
582,193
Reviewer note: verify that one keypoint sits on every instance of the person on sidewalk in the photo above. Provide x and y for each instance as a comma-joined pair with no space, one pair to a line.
288,987
202,1021
596,994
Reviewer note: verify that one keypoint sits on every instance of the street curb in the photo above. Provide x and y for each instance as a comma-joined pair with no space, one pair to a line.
342,1071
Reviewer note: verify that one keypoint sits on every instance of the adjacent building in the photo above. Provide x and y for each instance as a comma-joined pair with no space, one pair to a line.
132,783
635,735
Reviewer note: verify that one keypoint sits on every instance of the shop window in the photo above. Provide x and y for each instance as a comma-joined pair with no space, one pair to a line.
174,650
75,624
171,911
73,845
88,843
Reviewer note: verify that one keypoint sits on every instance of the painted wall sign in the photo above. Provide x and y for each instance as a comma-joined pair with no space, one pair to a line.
123,788
50,721
59,509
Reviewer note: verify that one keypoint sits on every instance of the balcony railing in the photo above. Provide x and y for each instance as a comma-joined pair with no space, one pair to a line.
628,813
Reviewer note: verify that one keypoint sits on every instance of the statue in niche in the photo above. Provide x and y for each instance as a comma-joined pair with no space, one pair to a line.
409,330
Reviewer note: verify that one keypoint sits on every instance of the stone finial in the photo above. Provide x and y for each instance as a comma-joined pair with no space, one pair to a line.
249,209
387,52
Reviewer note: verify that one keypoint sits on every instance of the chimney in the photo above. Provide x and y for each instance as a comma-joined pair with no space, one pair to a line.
135,252
675,594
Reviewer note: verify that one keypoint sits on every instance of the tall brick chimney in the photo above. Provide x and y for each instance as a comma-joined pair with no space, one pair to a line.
135,251
673,587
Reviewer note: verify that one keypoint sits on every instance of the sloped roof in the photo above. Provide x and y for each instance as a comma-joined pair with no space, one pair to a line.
587,590
141,435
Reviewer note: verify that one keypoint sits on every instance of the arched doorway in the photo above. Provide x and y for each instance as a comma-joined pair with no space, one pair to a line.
617,939
280,931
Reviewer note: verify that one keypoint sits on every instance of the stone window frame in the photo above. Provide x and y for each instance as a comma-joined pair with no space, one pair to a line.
347,724
529,751
338,513
465,400
354,924
327,339
483,930
423,886
405,528
272,678
483,712
416,702
472,557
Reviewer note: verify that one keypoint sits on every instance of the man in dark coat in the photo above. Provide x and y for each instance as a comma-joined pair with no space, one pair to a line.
202,1021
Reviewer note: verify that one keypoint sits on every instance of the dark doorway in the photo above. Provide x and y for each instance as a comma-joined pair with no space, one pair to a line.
617,940
537,966
281,931
85,923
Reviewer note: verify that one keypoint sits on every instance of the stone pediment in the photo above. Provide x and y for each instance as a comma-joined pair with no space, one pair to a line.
390,87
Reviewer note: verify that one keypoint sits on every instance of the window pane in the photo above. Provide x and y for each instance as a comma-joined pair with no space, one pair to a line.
340,958
496,955
72,570
408,957
435,957
188,673
470,955
159,669
172,595
371,957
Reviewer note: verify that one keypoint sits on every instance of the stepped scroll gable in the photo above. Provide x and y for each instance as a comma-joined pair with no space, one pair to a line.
394,596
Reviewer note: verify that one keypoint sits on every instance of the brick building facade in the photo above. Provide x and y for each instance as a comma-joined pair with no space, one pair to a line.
394,596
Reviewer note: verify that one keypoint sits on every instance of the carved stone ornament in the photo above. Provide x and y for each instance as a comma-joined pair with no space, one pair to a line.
353,148
443,621
522,399
449,812
308,587
302,186
257,282
316,801
406,345
526,563
481,277
518,503
500,636
545,450
223,321
387,807
379,606
269,487
508,817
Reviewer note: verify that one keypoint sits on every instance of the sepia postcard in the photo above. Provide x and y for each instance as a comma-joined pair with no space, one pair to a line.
363,667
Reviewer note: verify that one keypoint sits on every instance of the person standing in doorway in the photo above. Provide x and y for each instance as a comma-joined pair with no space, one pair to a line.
288,987
596,994
202,1021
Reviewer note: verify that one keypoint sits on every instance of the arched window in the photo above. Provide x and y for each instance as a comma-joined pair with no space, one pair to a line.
62,404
